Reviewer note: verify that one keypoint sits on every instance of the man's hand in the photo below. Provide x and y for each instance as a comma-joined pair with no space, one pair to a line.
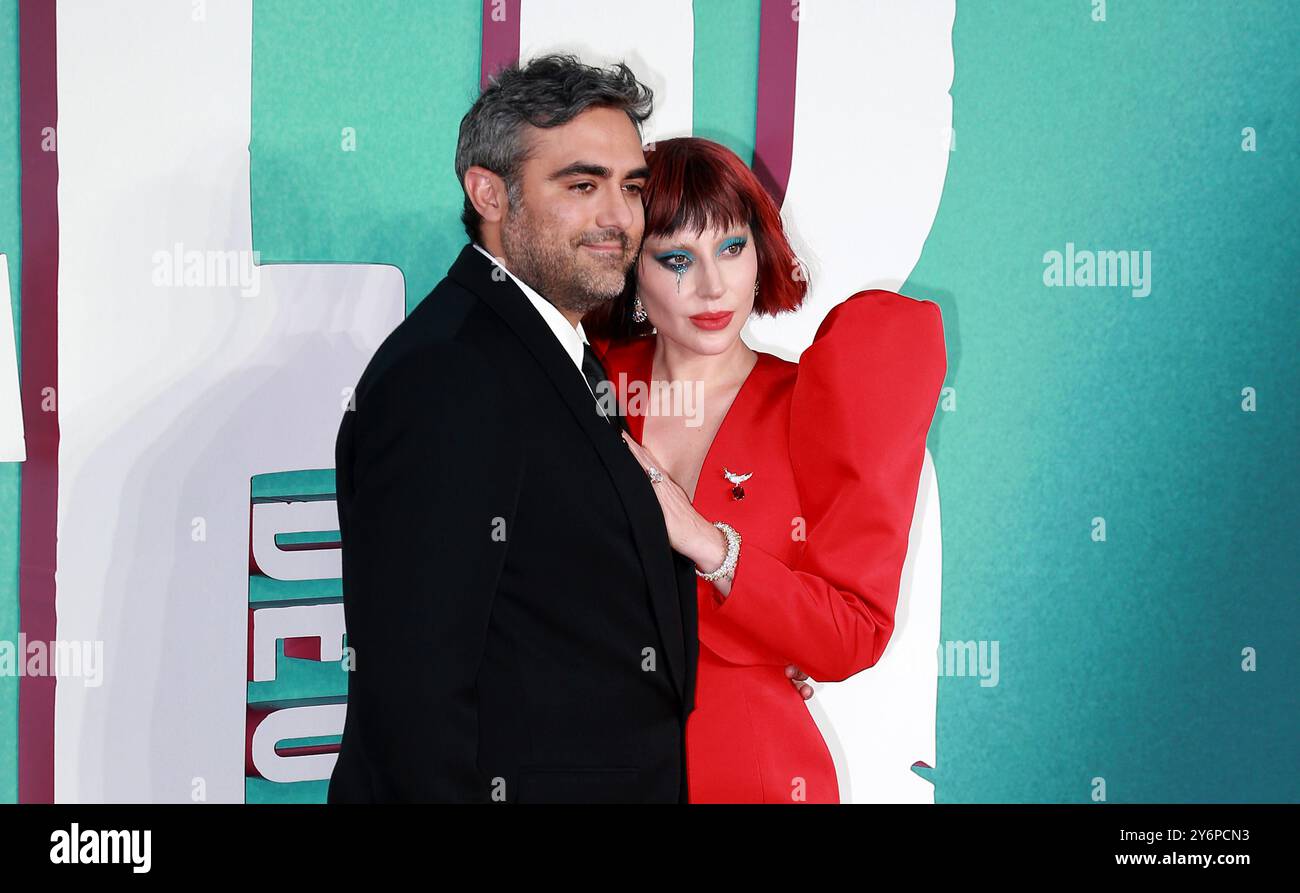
797,677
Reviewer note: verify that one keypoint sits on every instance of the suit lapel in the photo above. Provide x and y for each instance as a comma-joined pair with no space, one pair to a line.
474,271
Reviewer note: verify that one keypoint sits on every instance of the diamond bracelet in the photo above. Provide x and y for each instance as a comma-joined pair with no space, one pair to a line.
728,566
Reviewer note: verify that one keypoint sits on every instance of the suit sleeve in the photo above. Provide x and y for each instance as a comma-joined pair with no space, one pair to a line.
864,397
436,474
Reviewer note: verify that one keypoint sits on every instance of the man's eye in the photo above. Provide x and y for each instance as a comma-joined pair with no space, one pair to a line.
579,186
636,188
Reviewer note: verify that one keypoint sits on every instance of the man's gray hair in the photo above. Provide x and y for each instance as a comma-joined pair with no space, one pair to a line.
549,91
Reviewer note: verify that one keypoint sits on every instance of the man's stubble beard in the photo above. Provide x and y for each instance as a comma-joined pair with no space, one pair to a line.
555,269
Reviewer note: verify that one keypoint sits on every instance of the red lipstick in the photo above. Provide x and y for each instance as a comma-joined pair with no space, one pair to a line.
713,321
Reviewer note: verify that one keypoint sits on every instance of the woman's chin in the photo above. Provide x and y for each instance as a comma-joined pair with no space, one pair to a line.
710,343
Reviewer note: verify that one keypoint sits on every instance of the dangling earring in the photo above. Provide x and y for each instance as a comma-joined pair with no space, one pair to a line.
638,311
756,290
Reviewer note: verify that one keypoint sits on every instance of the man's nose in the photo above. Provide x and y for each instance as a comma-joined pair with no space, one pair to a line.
616,211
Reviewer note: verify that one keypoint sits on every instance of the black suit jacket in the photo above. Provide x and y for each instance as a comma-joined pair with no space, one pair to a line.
521,628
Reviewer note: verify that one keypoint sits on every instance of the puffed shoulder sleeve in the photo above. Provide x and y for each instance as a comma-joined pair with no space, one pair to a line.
862,404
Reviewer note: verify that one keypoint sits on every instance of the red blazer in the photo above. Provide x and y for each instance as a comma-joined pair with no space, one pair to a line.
834,445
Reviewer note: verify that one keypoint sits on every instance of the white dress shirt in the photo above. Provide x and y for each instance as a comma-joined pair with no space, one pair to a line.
571,337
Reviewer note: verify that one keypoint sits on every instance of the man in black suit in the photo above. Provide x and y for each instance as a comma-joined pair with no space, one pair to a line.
522,630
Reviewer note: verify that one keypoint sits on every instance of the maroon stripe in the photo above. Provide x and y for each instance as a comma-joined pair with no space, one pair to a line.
778,49
40,366
500,37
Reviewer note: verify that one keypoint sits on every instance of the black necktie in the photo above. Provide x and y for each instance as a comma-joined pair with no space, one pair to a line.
594,372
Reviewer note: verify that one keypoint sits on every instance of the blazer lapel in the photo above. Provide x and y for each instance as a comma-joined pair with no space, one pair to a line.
474,271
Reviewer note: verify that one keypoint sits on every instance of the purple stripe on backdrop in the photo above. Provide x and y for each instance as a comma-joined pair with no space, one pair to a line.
777,67
500,37
40,366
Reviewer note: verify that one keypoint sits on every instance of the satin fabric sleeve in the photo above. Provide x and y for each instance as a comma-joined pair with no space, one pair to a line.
865,394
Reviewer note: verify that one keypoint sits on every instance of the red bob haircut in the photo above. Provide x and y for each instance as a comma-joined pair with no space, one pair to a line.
695,184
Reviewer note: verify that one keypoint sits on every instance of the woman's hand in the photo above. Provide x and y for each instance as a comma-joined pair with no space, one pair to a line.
693,536
688,531
797,677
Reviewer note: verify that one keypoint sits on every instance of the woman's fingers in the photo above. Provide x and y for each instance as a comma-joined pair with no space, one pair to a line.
797,677
641,451
679,514
638,451
648,461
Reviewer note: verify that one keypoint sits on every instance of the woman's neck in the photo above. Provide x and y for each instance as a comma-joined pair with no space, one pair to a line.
672,362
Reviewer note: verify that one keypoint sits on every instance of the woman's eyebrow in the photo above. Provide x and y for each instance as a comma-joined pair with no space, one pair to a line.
722,240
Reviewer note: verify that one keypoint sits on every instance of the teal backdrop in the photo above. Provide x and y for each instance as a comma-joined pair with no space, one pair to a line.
1123,657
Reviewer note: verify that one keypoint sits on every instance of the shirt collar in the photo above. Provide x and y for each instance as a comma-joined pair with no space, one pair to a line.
571,338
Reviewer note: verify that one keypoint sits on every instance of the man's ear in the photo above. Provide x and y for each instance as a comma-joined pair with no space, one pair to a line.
487,193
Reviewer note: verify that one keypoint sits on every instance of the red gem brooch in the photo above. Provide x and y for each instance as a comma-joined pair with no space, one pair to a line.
737,491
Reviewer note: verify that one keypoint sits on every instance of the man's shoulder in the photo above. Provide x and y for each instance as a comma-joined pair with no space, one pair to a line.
449,333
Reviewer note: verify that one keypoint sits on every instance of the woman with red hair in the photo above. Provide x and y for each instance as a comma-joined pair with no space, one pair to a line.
791,486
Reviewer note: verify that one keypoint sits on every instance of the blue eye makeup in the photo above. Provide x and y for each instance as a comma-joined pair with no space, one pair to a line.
676,260
679,260
732,243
